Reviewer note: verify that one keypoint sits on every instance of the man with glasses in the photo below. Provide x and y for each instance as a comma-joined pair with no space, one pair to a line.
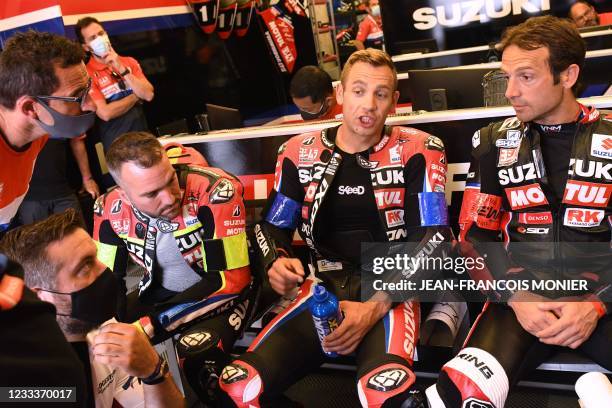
119,85
43,93
583,14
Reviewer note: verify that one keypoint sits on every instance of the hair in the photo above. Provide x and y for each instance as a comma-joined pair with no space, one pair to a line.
28,244
139,147
371,56
27,64
585,2
81,24
560,36
311,81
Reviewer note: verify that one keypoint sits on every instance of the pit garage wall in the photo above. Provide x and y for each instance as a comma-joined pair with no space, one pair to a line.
463,23
250,153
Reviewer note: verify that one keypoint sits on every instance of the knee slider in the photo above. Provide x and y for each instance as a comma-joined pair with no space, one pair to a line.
473,378
241,381
201,358
384,382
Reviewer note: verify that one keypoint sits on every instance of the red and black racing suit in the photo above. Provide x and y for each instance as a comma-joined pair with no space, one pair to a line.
210,235
545,190
392,192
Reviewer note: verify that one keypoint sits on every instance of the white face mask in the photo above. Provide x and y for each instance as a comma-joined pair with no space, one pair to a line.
375,10
100,46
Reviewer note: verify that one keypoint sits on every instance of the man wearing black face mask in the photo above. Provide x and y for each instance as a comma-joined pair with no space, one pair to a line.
44,92
60,266
312,92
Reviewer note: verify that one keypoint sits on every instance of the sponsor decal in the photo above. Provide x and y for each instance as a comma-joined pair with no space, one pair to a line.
386,198
223,192
387,177
98,207
394,218
307,154
518,174
601,146
510,123
116,206
323,265
590,168
507,157
476,403
237,317
507,144
583,217
195,339
388,379
236,212
189,241
234,373
465,12
533,230
349,190
282,148
550,128
395,154
326,142
434,143
364,163
480,365
262,242
537,218
397,234
121,227
476,139
530,195
585,193
382,143
166,226
308,141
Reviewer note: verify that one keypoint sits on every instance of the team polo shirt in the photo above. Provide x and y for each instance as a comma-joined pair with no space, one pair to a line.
15,173
105,85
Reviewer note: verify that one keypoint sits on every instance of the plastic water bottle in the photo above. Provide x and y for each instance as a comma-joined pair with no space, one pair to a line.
594,390
326,314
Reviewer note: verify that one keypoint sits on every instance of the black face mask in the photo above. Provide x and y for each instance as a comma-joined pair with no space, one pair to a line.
95,303
311,116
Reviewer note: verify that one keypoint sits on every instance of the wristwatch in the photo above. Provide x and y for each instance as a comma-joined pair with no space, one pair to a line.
127,71
159,375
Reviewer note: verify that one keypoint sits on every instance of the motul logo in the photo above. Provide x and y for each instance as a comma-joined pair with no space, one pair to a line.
386,198
536,218
585,193
583,217
526,196
482,11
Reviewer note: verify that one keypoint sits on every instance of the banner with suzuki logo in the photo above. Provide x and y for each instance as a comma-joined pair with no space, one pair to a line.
460,23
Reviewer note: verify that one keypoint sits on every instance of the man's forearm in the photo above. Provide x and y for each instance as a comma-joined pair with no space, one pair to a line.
140,86
80,155
108,111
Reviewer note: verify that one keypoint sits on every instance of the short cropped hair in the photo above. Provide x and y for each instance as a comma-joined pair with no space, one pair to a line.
81,24
28,244
311,81
372,56
139,147
28,61
565,46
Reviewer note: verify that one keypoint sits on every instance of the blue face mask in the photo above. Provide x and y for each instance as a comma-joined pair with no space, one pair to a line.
66,126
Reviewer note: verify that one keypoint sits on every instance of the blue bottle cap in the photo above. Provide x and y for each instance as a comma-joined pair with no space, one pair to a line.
320,293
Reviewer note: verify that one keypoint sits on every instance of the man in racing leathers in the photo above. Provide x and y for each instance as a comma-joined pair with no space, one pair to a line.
186,226
543,181
359,182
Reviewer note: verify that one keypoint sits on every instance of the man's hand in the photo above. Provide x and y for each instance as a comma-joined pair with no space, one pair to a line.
576,322
285,274
112,60
359,318
124,346
91,187
527,311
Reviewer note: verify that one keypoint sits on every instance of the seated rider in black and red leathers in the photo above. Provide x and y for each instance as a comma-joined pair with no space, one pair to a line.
359,182
185,225
542,182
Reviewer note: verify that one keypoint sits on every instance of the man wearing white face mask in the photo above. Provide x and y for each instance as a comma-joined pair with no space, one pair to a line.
370,34
118,84
44,92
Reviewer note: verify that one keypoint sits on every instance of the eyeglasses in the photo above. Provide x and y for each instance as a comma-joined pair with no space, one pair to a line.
76,99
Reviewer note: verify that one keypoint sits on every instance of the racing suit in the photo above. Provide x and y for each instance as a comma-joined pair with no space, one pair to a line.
404,183
550,221
210,236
